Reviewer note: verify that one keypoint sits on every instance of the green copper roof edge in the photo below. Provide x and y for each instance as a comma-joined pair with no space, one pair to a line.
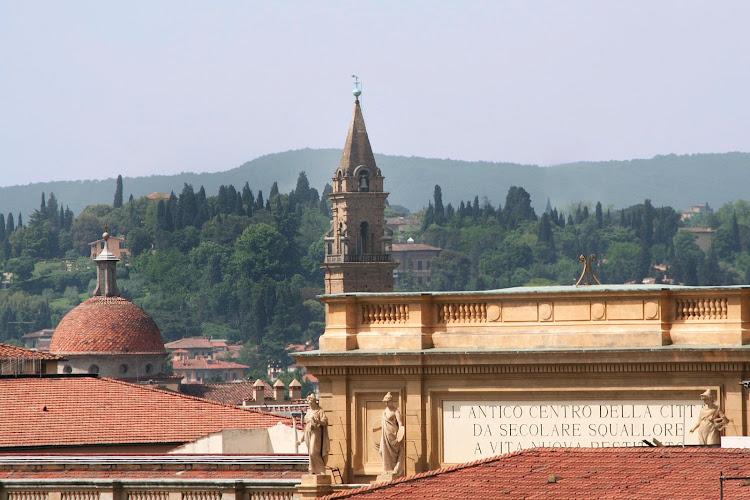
549,289
521,351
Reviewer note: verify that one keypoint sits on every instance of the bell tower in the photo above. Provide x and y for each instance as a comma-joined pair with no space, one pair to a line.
357,258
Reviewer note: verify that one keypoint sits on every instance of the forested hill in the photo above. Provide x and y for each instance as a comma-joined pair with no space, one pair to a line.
677,181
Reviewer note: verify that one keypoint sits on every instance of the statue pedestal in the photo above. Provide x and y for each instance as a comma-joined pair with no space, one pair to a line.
314,486
386,477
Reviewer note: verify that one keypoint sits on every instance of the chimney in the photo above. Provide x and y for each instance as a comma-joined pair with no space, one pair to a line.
295,390
278,390
259,391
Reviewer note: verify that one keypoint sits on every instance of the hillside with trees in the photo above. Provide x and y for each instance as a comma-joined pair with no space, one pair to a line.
677,181
243,265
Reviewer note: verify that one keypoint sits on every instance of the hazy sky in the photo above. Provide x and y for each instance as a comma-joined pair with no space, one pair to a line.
92,89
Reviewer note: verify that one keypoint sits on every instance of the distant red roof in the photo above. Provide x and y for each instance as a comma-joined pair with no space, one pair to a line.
190,343
158,196
13,352
309,378
231,393
413,247
201,363
107,325
47,332
580,473
81,411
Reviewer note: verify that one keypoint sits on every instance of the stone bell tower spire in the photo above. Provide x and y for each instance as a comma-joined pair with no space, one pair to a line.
106,271
357,258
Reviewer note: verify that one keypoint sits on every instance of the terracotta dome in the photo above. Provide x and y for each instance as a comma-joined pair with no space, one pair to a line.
107,325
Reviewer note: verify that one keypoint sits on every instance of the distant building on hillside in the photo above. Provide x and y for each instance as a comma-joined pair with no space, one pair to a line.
696,210
414,258
703,236
116,245
398,224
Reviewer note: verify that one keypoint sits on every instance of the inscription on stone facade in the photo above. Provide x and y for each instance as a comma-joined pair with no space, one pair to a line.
479,429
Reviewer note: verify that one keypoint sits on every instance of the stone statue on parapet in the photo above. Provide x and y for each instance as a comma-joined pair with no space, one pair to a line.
316,436
391,446
711,420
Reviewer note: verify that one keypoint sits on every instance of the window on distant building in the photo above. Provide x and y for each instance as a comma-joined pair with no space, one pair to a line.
68,369
428,264
419,265
93,369
123,369
234,376
149,368
419,280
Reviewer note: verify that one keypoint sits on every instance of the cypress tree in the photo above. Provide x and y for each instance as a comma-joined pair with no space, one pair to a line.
302,191
2,228
274,190
599,214
118,193
20,221
439,210
9,226
259,203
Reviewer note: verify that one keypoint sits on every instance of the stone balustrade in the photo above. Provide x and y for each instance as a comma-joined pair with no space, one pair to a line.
608,316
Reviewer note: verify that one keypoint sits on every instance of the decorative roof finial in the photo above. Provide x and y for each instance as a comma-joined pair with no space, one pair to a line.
106,253
357,88
106,270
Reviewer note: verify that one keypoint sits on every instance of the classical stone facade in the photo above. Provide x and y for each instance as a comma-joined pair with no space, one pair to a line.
477,374
357,258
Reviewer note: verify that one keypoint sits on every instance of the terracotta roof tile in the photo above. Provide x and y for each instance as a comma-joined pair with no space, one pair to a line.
580,473
13,352
90,411
107,325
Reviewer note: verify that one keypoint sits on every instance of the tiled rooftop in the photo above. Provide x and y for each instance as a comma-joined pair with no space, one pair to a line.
81,411
201,363
13,352
578,473
107,325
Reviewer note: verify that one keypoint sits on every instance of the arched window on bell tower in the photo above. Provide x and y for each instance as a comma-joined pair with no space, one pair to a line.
362,238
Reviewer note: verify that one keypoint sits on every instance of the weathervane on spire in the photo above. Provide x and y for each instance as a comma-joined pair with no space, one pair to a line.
357,88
